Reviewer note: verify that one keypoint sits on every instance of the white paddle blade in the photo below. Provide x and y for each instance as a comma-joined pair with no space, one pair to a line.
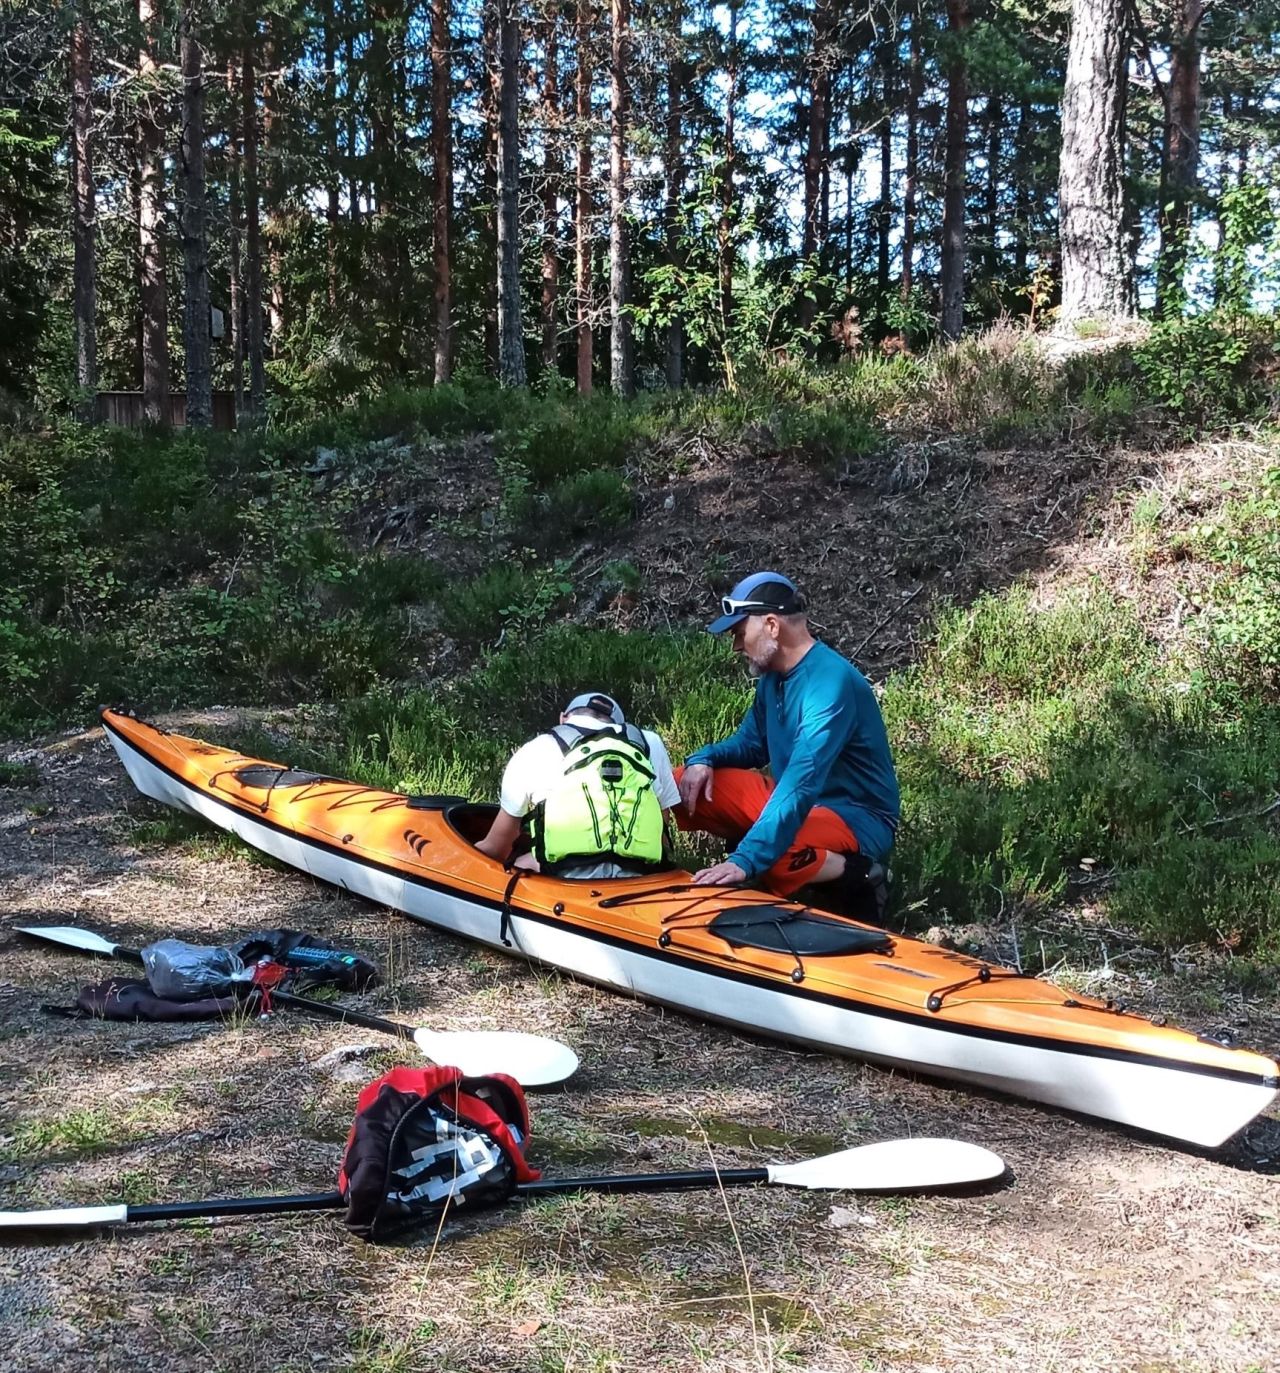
68,1218
893,1165
69,937
532,1060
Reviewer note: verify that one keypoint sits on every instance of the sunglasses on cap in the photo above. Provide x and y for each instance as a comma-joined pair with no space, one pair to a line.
729,605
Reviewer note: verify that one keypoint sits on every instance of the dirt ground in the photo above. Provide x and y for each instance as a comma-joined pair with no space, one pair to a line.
1101,1250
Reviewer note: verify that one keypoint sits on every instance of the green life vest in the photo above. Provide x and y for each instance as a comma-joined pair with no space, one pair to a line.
603,804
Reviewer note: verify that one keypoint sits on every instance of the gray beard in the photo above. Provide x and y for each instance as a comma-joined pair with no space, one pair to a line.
757,667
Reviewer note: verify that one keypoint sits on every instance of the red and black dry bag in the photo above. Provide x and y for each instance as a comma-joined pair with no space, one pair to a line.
427,1138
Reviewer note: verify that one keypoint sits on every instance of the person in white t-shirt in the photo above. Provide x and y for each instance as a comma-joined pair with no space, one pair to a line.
534,770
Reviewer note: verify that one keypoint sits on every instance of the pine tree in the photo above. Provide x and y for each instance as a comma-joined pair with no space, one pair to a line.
84,210
1095,282
195,246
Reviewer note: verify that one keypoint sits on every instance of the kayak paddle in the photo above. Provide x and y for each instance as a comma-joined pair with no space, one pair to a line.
533,1060
898,1165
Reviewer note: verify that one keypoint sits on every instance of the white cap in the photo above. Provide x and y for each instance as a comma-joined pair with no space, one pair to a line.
599,704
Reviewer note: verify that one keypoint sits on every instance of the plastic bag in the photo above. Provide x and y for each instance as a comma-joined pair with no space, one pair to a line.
180,971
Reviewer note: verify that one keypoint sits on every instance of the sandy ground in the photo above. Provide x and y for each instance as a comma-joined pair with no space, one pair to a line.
1101,1250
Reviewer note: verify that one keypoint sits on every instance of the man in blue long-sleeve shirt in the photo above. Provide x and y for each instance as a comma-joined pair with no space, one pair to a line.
832,807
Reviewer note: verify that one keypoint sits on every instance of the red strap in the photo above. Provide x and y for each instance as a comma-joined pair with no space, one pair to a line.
267,976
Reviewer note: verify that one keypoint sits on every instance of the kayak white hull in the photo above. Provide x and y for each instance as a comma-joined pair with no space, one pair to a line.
1166,1097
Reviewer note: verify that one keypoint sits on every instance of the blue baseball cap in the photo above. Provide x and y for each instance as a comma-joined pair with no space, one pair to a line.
762,593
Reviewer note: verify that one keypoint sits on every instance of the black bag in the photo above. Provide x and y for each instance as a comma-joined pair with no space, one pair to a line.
429,1138
131,998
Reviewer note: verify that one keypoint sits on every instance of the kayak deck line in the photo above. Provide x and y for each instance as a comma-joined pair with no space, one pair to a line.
993,1027
745,972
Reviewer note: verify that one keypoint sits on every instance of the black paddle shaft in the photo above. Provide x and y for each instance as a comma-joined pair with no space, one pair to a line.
344,1013
543,1187
235,1206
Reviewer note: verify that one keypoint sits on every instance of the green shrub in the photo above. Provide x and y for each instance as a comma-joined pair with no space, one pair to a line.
1241,620
1029,739
458,739
830,437
473,611
621,574
560,438
1209,369
384,581
14,775
577,505
996,384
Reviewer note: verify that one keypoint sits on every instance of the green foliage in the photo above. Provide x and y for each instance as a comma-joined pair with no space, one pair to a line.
1247,219
562,436
575,506
473,610
1032,738
19,774
29,184
763,320
830,437
1208,369
544,588
996,384
620,574
911,316
685,686
1241,619
139,569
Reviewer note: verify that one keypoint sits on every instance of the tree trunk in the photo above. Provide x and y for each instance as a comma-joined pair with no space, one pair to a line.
511,368
195,242
677,75
489,108
824,193
442,186
235,303
725,230
583,211
1022,193
1181,161
622,373
84,214
333,154
995,132
815,141
151,244
271,162
252,229
1095,283
884,209
352,70
958,16
552,175
915,84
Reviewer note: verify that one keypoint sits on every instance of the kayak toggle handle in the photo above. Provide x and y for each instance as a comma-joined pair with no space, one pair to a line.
983,975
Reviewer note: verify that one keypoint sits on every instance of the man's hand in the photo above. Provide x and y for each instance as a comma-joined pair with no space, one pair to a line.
695,783
722,875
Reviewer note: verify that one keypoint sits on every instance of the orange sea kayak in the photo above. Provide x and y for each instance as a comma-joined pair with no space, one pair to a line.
735,955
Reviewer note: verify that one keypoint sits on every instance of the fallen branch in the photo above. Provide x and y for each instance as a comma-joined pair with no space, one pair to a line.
897,610
1272,805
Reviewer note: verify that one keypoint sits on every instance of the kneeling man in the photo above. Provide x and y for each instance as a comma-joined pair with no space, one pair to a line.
831,810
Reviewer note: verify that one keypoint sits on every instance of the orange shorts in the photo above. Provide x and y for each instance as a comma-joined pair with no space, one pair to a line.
738,795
